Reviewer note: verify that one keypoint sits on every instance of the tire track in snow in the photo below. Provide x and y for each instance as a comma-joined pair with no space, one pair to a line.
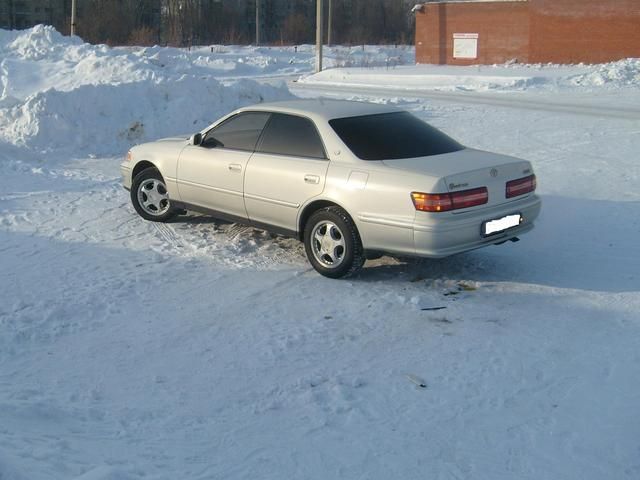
168,234
235,245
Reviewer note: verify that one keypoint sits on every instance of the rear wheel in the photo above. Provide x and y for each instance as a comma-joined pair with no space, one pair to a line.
150,197
333,244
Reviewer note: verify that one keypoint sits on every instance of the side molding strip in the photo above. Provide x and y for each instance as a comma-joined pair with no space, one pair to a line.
282,203
208,187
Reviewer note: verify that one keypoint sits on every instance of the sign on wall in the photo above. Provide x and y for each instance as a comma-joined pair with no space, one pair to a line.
465,45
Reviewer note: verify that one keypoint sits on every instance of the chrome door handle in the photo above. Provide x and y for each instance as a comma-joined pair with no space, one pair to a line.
235,167
312,179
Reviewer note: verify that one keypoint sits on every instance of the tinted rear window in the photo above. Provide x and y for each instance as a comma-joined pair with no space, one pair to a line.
389,136
291,135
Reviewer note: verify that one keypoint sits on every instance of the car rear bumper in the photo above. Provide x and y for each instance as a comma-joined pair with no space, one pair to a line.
438,235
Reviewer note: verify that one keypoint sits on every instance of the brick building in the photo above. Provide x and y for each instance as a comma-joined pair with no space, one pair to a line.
467,32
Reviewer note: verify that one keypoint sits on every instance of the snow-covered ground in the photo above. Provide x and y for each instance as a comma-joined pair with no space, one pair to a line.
509,77
201,349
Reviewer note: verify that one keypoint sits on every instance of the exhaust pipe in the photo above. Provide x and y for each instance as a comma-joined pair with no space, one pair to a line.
514,240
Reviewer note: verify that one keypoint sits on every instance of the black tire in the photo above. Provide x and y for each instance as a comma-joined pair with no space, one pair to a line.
332,243
160,208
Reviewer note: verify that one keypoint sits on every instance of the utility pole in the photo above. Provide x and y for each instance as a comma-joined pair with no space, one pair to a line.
329,23
257,22
73,17
319,25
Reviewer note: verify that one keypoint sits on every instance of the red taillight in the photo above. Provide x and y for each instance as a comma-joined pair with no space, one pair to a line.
521,186
442,202
470,198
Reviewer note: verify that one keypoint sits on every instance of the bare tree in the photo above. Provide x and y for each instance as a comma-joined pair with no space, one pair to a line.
109,22
143,37
189,22
296,29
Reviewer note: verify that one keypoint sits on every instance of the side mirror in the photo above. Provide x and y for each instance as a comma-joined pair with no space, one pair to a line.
195,139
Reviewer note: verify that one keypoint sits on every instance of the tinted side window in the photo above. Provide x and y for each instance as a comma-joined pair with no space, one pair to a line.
389,136
291,135
240,132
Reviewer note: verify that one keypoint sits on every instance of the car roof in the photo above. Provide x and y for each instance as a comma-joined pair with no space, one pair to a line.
322,108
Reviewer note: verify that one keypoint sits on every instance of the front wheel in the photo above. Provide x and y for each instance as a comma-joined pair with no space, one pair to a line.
333,244
150,197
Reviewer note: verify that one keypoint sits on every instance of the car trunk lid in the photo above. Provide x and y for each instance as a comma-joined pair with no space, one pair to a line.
468,169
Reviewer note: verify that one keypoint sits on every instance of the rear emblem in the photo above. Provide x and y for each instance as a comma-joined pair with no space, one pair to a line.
494,172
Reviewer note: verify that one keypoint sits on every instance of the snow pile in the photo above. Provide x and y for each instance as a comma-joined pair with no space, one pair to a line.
58,94
225,61
35,59
625,73
35,43
108,119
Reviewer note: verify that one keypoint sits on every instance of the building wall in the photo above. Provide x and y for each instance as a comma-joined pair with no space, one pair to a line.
590,31
558,31
502,28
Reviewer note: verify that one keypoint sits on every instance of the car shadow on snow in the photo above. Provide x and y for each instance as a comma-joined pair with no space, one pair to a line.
577,243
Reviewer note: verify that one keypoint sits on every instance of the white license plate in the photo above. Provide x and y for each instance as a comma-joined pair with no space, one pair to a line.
501,224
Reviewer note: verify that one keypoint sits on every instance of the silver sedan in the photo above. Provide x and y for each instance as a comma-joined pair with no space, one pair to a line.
352,180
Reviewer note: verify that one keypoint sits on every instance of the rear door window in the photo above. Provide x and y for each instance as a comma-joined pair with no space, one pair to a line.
240,132
291,135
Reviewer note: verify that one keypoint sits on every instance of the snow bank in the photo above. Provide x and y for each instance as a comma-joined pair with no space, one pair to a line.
625,73
34,43
58,94
507,77
39,58
108,119
420,77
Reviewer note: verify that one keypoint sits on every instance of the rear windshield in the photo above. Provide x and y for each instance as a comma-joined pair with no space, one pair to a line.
389,136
